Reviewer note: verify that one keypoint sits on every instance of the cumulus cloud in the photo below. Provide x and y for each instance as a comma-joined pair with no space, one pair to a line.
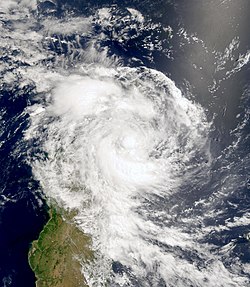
12,4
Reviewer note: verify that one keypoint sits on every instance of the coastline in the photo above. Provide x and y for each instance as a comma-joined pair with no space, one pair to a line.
58,254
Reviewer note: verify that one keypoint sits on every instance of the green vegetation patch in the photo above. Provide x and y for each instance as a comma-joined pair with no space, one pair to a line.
57,255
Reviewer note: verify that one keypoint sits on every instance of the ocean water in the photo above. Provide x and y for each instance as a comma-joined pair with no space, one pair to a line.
136,115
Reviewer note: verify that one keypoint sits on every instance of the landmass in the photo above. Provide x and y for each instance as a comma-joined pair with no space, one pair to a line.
57,256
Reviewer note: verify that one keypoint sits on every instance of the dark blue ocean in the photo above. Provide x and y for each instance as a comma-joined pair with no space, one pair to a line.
203,46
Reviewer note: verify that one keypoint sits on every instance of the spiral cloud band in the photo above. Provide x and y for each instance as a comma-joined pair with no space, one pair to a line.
121,152
118,140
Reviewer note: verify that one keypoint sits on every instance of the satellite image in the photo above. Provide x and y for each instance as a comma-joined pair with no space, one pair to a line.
124,143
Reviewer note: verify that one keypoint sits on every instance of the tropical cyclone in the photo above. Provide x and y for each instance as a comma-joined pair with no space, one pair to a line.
122,147
115,138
